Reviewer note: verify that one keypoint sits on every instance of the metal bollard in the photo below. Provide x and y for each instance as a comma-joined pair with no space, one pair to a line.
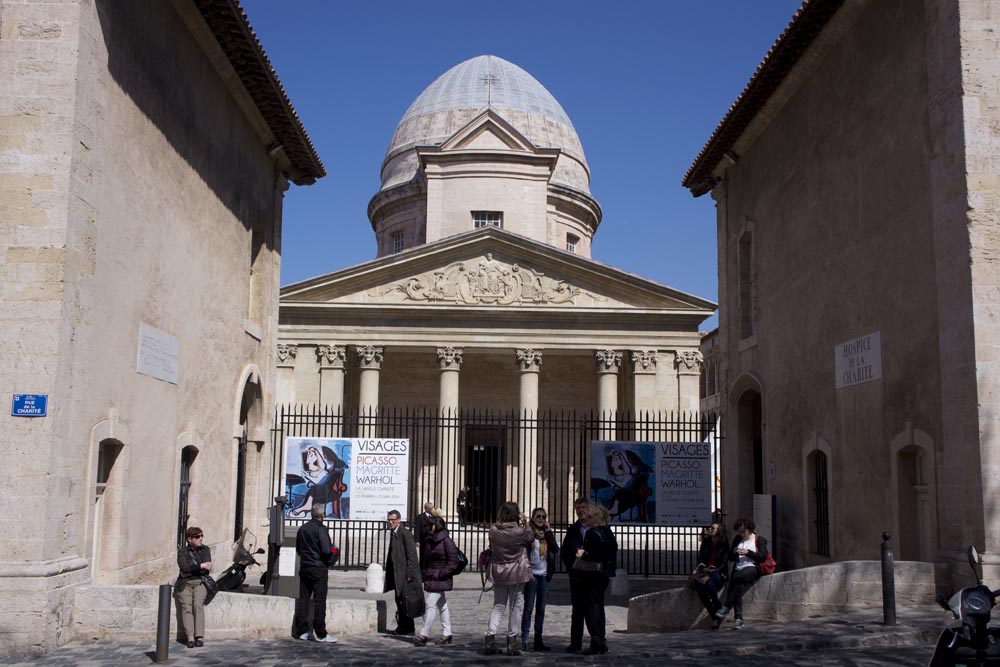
888,582
163,625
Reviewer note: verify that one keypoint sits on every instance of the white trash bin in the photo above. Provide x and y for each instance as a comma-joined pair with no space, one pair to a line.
376,579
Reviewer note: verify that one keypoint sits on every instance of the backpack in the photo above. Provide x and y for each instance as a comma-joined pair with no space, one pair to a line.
463,562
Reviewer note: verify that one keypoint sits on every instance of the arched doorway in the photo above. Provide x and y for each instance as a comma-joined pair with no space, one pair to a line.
912,490
749,448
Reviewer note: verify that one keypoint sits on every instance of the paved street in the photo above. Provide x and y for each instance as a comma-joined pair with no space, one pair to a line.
848,640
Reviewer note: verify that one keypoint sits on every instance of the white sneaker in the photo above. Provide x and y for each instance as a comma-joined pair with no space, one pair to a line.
739,623
329,639
307,637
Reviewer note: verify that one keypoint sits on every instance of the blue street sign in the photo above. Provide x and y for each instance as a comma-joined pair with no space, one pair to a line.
29,405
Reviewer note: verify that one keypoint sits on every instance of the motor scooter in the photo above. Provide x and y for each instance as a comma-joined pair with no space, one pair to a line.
968,639
243,557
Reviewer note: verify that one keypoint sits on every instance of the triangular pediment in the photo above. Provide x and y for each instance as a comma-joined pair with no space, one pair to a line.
491,268
488,131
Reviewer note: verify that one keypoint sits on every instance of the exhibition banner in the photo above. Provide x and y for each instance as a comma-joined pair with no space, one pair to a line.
665,483
356,478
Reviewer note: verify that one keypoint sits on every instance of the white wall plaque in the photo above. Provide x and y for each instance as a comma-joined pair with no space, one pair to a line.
158,354
858,361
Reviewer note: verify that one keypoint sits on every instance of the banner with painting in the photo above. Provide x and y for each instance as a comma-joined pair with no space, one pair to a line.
665,483
356,478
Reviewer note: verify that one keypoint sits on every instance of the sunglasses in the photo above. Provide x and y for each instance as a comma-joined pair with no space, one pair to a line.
539,516
197,537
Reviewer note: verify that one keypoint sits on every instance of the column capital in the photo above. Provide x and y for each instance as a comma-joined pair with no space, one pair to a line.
369,356
529,360
608,361
286,354
449,358
688,362
644,362
331,356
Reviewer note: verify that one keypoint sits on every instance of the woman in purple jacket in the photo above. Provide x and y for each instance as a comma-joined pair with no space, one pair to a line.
440,560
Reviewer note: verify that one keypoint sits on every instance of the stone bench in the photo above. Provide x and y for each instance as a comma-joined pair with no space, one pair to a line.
129,613
793,595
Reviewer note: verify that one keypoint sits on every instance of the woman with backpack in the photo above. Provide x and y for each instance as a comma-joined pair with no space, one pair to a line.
440,561
509,571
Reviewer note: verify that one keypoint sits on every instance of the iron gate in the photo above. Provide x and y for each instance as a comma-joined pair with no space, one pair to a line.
479,450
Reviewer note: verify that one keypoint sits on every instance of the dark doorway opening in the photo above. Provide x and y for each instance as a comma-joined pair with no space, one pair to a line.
484,471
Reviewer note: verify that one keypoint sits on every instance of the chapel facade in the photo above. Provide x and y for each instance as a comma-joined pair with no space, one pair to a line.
483,293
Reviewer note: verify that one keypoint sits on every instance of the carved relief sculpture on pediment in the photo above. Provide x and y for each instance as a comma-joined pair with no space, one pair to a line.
487,281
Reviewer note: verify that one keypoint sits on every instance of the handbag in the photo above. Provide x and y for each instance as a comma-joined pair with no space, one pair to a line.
211,588
699,576
580,565
768,565
413,599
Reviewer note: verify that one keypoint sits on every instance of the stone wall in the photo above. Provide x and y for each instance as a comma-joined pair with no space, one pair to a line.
129,613
814,591
131,184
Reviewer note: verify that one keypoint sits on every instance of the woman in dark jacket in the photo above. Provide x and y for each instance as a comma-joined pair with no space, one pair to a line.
440,560
710,575
749,550
600,548
542,557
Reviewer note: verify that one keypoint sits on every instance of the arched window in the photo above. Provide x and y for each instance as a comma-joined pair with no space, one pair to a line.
819,503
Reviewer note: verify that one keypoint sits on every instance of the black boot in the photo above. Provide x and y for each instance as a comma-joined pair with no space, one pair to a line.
597,647
513,645
491,645
539,645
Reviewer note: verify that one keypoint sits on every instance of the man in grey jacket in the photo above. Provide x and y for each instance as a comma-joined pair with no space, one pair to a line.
402,575
312,544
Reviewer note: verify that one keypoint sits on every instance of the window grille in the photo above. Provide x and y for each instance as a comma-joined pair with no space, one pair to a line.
571,242
397,242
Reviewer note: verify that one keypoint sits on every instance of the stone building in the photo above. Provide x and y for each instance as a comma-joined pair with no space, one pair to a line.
145,149
857,189
483,293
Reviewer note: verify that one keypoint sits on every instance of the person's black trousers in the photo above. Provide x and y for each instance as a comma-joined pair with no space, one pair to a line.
594,585
741,580
312,584
577,596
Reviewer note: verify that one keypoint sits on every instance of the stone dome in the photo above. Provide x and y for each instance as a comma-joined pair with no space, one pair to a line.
465,91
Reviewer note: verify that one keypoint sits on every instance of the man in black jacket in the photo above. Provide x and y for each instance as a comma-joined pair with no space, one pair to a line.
577,589
312,544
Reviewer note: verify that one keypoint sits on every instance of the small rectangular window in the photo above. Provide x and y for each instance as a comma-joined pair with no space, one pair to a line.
487,219
397,242
571,241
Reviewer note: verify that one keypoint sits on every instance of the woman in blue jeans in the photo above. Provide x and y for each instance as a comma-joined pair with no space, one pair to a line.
542,556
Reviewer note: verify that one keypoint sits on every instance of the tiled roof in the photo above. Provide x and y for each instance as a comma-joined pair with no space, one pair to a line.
228,22
808,21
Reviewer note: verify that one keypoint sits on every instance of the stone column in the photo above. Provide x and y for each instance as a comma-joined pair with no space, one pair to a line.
285,389
608,363
688,364
332,360
370,363
523,478
644,377
450,472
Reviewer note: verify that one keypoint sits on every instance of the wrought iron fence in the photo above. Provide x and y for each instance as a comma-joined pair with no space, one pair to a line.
486,453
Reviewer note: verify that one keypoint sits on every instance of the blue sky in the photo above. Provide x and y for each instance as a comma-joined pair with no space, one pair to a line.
645,84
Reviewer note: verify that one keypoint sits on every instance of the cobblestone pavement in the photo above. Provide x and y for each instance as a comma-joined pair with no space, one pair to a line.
856,639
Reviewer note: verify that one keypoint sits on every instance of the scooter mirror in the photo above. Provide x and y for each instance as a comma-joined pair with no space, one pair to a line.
259,551
975,563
